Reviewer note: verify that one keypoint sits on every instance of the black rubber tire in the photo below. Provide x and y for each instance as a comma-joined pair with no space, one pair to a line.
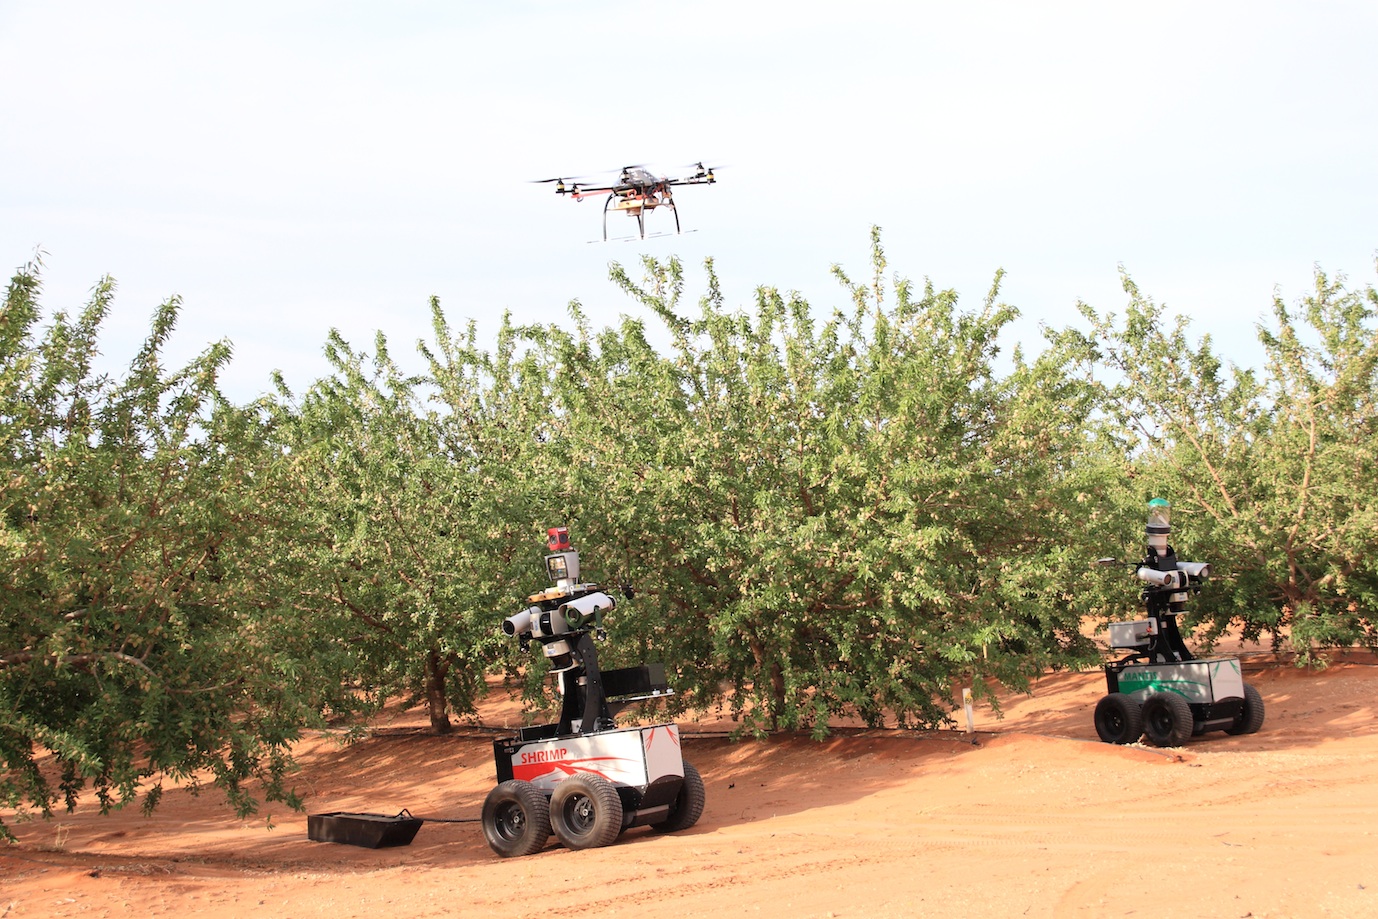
516,819
1250,717
688,806
585,812
1119,719
1168,721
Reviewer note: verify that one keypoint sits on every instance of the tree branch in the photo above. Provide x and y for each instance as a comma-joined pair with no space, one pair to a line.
80,661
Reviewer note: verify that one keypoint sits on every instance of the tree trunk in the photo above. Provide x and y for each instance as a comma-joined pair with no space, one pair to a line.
436,670
776,678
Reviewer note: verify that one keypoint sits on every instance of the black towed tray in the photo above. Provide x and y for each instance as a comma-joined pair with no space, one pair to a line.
372,831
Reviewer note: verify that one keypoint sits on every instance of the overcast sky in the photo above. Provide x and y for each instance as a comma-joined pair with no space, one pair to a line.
291,167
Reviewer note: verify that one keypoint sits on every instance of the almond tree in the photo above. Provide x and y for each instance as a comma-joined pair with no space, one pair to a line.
140,635
413,540
1272,472
838,517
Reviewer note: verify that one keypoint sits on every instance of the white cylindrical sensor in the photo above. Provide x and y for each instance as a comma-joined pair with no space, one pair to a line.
1157,578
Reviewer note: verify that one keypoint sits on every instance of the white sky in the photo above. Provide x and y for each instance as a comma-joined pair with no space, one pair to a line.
292,167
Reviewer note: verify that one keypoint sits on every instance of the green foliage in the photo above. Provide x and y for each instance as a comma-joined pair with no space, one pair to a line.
835,518
139,635
1272,476
412,531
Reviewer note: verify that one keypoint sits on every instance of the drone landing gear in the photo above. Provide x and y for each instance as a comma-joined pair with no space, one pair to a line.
622,205
670,203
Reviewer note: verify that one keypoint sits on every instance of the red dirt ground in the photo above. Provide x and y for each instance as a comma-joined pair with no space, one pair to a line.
1034,818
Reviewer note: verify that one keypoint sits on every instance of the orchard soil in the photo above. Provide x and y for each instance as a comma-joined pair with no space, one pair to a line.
1030,816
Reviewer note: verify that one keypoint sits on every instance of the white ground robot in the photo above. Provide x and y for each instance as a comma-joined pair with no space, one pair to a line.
584,778
1161,691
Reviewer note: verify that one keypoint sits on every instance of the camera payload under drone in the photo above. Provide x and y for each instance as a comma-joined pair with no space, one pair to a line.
584,778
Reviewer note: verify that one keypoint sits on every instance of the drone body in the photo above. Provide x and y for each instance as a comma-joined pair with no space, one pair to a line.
635,192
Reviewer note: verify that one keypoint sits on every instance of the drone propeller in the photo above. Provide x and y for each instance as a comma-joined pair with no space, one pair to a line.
560,188
564,185
626,173
702,174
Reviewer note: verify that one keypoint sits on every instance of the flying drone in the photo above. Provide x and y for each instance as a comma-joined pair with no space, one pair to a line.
635,192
